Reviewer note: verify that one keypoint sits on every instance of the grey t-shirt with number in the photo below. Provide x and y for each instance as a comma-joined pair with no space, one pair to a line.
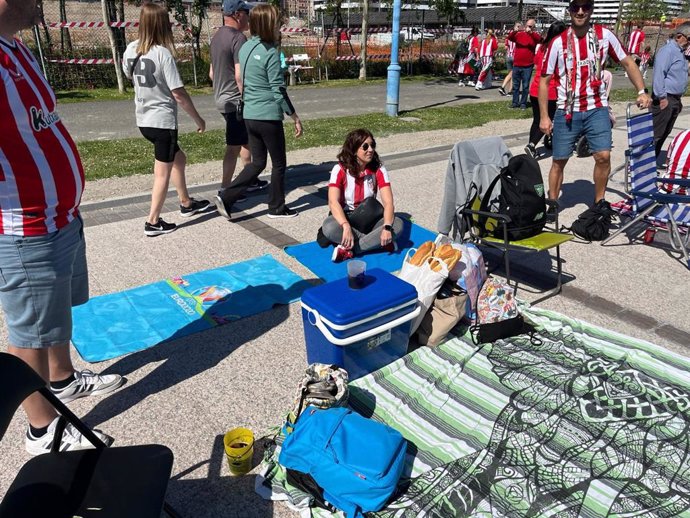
225,52
155,75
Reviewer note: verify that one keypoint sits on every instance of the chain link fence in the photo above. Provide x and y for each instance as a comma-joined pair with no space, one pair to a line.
80,42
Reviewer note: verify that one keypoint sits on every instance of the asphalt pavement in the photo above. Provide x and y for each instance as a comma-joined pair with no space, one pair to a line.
86,120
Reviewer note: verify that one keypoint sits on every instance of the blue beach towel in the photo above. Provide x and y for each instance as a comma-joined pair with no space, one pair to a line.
318,259
120,323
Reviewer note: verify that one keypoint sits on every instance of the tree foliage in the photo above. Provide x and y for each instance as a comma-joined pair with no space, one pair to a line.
641,10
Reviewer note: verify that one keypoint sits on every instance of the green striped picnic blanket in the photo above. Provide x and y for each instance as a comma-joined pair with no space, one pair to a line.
586,423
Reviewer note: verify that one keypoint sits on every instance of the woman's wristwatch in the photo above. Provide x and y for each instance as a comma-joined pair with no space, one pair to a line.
389,228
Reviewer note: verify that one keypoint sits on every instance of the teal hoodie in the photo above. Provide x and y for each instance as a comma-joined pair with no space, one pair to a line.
265,94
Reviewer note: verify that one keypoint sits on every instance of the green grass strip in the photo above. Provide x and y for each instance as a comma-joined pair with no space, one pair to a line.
126,157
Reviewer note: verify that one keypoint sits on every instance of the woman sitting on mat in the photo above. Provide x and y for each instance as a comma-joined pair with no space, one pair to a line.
358,222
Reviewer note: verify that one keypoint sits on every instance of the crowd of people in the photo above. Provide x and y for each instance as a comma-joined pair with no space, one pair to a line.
570,102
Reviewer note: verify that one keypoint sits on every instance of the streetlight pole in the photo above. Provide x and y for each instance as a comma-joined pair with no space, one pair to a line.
393,81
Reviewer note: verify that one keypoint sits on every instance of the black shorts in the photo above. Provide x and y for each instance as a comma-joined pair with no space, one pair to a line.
235,131
164,142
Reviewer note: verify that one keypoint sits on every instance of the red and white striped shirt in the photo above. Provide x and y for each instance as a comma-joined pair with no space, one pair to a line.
590,93
41,176
510,48
354,191
636,41
488,47
678,161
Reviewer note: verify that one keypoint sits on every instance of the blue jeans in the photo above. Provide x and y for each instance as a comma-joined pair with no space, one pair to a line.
593,124
521,75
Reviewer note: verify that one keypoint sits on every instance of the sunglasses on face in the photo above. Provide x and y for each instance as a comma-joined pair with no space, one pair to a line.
366,146
573,8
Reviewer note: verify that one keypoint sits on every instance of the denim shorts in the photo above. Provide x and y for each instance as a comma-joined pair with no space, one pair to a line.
41,278
594,124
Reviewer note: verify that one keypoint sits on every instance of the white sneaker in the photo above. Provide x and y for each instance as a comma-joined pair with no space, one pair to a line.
478,87
88,383
72,439
461,83
470,83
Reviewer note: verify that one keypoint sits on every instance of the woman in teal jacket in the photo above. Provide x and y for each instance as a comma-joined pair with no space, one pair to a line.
265,102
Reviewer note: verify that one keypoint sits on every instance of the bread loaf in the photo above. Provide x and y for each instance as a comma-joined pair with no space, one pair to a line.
448,255
423,253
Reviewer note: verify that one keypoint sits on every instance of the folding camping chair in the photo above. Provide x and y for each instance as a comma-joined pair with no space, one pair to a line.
640,131
649,203
104,482
468,211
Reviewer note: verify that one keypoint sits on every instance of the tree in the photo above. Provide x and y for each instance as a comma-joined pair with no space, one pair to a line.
447,9
363,47
641,10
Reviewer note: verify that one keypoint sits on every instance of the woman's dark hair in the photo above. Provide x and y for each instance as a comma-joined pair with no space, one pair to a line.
348,154
554,30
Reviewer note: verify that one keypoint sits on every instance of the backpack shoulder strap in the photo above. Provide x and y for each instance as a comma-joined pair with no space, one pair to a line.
484,206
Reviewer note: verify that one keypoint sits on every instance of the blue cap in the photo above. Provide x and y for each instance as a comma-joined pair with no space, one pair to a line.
232,6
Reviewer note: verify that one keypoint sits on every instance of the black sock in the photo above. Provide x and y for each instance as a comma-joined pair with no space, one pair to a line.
57,385
38,432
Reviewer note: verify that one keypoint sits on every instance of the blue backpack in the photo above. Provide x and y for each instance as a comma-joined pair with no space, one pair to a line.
356,461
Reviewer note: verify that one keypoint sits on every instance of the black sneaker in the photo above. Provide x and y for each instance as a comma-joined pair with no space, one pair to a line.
551,212
159,228
287,212
605,207
223,209
531,151
257,185
195,207
502,91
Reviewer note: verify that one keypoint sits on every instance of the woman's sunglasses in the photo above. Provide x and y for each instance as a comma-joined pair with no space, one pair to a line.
573,8
366,146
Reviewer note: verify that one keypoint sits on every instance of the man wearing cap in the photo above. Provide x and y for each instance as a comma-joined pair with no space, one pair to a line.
226,75
669,83
575,59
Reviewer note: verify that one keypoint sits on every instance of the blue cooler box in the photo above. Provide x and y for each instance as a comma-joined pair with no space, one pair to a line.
359,330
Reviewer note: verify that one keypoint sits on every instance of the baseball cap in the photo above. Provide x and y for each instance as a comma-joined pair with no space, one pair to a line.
232,6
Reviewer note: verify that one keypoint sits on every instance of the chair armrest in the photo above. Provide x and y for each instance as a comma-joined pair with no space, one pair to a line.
682,182
503,217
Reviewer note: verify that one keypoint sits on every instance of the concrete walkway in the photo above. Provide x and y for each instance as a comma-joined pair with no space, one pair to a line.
188,393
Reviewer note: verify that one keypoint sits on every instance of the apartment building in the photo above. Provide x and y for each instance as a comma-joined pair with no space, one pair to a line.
606,11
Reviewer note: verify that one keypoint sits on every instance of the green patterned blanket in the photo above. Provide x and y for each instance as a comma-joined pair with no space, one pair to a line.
588,423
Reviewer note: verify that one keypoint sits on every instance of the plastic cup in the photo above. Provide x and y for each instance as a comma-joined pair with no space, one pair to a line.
239,450
356,272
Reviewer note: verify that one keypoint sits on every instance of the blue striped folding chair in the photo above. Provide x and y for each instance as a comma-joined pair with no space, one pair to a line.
640,136
649,203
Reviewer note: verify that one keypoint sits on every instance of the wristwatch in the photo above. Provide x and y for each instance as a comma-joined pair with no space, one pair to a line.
643,91
389,228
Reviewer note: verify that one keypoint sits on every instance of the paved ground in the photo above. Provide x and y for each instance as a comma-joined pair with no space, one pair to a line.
187,393
85,120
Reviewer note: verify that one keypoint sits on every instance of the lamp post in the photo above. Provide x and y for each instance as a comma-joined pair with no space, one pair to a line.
393,81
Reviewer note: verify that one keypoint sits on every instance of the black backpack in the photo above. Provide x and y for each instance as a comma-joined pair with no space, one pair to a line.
521,198
463,48
594,223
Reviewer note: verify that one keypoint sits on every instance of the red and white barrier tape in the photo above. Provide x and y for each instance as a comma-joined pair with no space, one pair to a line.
429,57
90,25
88,61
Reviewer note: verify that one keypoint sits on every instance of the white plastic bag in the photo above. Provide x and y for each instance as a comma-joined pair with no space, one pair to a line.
409,272
427,282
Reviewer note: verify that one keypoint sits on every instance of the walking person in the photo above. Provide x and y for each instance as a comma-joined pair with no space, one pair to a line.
150,62
468,53
644,61
42,246
487,48
523,61
669,82
227,87
576,58
535,134
508,79
636,43
265,101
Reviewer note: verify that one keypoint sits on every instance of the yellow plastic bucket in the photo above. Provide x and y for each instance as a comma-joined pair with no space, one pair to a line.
239,449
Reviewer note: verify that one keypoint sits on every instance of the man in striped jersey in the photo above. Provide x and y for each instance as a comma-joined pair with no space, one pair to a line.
636,43
42,251
575,59
678,162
